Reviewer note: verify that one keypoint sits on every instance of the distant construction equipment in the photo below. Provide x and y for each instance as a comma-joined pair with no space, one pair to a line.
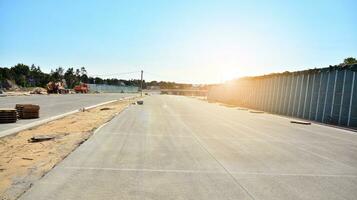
56,88
81,88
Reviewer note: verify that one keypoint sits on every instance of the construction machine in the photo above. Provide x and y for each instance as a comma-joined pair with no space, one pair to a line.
81,88
56,88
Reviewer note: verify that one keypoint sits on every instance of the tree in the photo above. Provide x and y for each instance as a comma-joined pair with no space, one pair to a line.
5,73
98,80
57,75
37,77
83,75
20,73
350,61
83,71
84,78
71,77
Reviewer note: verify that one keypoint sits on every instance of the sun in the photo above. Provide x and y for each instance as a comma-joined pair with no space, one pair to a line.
229,74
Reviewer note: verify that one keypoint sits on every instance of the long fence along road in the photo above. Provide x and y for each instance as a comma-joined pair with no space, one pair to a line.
327,95
176,147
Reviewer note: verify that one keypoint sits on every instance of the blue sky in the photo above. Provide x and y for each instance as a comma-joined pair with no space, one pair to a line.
197,41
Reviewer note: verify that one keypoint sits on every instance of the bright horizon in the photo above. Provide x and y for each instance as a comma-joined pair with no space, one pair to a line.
181,41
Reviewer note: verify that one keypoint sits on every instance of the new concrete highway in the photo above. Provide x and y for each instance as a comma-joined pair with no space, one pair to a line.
176,147
52,105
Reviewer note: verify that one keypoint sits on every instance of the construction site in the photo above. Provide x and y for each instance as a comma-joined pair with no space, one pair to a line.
178,100
233,138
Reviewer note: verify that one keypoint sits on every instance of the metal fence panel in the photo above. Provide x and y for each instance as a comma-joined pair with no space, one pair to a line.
296,96
275,93
346,98
292,95
112,88
337,97
328,95
321,96
302,94
307,99
313,97
286,94
353,103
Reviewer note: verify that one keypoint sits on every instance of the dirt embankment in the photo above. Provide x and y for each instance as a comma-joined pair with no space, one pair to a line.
22,162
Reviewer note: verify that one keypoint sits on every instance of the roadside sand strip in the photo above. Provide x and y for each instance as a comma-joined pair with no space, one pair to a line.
23,162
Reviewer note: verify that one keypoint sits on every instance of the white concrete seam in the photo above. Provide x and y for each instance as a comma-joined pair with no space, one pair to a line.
204,172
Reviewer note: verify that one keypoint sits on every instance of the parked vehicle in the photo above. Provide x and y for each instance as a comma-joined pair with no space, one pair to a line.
81,88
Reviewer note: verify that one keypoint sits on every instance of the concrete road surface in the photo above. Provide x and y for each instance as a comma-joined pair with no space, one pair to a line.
52,105
176,147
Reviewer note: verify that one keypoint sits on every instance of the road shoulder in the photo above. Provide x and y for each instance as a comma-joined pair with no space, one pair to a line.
23,161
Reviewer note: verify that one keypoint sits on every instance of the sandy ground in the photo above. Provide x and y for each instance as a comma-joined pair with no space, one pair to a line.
23,162
16,94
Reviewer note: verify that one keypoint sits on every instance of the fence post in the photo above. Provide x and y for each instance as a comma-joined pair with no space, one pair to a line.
282,92
261,94
301,86
265,92
254,88
257,87
276,94
287,96
269,94
333,95
351,99
328,82
295,94
290,93
318,96
343,93
307,89
271,104
251,92
257,92
312,94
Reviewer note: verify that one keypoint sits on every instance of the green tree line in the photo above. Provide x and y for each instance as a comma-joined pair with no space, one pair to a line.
32,76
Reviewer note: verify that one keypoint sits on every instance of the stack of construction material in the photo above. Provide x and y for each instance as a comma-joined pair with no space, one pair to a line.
27,111
8,115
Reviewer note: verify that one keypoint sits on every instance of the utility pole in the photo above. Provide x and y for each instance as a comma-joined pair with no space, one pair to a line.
141,84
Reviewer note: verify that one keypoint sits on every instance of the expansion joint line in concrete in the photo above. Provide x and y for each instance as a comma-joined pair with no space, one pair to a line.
292,144
204,172
199,142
